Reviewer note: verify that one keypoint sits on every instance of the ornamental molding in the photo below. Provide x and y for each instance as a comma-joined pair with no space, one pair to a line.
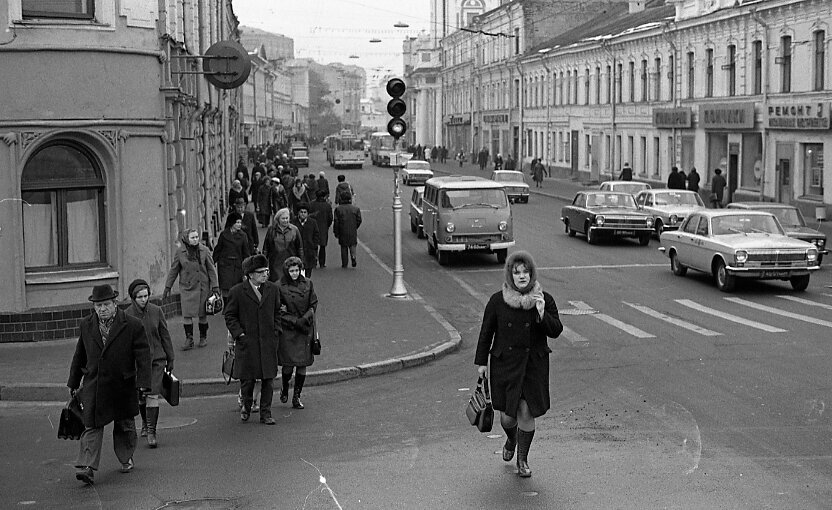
110,135
27,138
10,138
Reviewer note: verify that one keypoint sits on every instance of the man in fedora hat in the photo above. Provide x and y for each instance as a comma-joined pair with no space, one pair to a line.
113,358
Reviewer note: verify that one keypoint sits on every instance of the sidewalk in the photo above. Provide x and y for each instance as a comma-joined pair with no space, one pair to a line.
362,331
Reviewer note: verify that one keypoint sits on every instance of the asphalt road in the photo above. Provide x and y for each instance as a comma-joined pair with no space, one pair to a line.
660,400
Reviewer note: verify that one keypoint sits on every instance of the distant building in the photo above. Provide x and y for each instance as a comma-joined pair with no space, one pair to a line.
276,46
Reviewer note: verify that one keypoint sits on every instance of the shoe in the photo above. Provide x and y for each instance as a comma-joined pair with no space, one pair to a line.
143,433
296,403
239,402
86,475
508,451
255,408
523,469
323,266
354,262
244,414
189,344
284,396
268,421
127,466
203,341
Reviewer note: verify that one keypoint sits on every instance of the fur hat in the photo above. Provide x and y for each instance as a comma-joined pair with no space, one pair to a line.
137,285
254,263
232,218
525,258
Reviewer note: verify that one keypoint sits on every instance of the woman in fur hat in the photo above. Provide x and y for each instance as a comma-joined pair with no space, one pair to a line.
231,250
517,321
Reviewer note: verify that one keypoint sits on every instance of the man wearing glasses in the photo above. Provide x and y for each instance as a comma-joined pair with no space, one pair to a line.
252,318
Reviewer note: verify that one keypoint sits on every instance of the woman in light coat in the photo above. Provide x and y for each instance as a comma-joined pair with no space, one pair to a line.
193,265
298,303
282,241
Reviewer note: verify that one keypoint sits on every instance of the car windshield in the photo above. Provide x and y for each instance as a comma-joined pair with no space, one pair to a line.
745,224
458,198
788,217
418,165
611,200
627,187
509,177
672,198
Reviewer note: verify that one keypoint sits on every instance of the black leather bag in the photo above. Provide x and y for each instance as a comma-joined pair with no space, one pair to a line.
71,425
479,410
316,345
170,388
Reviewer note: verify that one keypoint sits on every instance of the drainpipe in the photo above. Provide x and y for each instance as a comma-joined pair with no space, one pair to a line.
673,85
765,85
548,111
204,102
607,49
521,109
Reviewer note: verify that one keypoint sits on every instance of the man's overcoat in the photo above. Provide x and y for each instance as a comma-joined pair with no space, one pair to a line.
259,319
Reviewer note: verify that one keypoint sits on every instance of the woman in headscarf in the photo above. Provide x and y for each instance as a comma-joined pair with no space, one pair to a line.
517,321
298,194
161,353
298,303
282,241
193,265
231,250
236,191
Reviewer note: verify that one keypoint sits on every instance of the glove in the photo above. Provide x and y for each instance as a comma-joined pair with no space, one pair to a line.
144,391
166,293
170,366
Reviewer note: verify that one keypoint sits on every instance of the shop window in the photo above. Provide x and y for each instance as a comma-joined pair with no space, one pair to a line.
813,169
820,59
78,9
63,209
752,161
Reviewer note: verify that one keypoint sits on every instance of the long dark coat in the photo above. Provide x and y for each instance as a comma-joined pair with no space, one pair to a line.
323,184
301,301
259,319
111,373
229,253
158,337
265,202
250,228
279,245
310,235
346,223
196,279
515,341
321,211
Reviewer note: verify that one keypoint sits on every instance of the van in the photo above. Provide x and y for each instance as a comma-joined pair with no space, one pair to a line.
466,214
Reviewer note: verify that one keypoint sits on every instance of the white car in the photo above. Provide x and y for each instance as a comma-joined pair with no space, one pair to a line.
669,207
416,171
631,187
515,184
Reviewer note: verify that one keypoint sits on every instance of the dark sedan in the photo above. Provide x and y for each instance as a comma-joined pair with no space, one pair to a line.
606,214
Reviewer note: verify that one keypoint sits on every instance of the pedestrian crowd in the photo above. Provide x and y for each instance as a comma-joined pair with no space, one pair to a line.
677,179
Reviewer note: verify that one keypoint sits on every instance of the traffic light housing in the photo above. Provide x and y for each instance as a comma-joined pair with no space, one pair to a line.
396,108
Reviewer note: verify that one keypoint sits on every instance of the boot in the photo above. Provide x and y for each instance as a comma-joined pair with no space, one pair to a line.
203,335
284,391
152,420
189,337
143,412
296,403
511,443
524,442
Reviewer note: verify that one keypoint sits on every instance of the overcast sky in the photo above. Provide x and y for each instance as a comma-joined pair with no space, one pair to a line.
334,30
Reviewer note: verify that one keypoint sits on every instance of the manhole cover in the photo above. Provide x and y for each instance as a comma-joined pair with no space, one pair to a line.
174,422
577,311
200,504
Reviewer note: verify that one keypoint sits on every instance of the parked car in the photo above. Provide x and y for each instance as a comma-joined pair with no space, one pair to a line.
608,214
514,183
732,243
416,209
791,219
669,207
631,187
415,170
299,155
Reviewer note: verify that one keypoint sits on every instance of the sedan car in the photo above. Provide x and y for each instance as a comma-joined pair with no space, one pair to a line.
416,209
732,243
669,207
606,213
416,171
791,220
631,187
514,183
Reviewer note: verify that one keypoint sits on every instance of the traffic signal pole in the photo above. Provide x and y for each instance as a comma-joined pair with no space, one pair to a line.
396,128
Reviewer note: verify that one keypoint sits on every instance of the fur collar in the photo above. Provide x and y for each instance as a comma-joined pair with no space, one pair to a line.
525,301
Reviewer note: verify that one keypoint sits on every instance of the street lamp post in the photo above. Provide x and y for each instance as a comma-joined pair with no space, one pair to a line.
396,127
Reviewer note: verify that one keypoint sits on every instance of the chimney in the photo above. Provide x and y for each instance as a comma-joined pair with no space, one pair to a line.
636,6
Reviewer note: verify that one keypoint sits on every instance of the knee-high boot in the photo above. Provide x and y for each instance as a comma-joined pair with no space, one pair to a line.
296,403
143,412
524,442
511,443
284,390
189,337
203,335
152,420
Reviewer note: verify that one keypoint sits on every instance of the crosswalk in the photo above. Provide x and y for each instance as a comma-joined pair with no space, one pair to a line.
713,318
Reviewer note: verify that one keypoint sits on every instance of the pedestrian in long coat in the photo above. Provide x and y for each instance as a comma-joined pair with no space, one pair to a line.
297,318
323,183
112,360
236,190
517,321
252,316
537,174
161,353
249,226
345,227
282,241
231,250
265,201
321,211
718,184
693,180
310,236
193,265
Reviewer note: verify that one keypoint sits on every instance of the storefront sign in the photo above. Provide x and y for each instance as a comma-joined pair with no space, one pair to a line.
458,120
495,118
798,116
670,118
727,116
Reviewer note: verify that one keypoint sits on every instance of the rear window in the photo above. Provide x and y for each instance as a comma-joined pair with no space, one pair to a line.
458,198
418,165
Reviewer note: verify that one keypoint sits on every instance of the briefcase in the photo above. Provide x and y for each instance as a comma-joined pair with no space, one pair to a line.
170,388
479,409
71,425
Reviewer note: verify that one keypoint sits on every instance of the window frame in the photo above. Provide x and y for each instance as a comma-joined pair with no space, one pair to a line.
819,57
732,70
709,72
36,15
758,66
786,64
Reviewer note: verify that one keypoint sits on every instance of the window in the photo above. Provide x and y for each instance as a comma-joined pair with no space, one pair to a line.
813,168
609,85
656,158
671,85
568,85
691,74
731,67
820,59
632,82
709,73
643,155
786,64
658,71
597,85
758,67
425,57
618,83
644,97
516,41
587,151
575,86
516,93
63,211
586,86
74,9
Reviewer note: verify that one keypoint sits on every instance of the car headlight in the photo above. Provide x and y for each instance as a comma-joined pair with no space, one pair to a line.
449,228
741,256
599,220
503,226
649,221
674,219
812,254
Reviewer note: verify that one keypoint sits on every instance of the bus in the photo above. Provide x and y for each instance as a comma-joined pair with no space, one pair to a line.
382,151
344,150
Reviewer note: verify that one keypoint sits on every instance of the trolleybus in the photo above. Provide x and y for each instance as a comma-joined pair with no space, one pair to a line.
345,149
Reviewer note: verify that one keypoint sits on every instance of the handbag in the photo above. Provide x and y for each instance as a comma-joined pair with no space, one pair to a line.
316,345
479,409
170,388
228,361
71,425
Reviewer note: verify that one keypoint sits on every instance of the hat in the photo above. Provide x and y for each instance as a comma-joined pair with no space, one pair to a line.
232,218
239,200
102,293
255,262
137,285
302,205
275,179
321,193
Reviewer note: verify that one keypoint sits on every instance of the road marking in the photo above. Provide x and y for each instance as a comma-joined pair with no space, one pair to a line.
482,298
623,326
806,302
777,311
728,316
569,268
573,337
673,320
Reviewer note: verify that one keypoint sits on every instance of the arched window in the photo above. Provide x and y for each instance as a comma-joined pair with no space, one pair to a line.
63,210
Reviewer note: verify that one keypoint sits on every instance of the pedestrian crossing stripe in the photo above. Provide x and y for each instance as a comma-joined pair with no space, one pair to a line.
672,320
777,311
728,316
806,302
612,321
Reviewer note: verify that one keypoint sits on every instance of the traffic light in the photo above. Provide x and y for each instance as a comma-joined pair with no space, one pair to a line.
396,108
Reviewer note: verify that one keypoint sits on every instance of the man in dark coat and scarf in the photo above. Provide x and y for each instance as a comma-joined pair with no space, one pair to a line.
112,357
345,227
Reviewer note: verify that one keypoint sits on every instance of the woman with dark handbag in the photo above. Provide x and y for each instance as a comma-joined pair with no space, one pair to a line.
297,317
517,321
231,250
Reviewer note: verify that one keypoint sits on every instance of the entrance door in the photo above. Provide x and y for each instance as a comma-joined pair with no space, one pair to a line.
733,170
515,145
784,181
574,150
595,154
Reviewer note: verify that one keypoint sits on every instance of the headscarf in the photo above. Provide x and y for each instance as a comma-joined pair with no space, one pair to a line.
529,296
289,262
192,251
237,185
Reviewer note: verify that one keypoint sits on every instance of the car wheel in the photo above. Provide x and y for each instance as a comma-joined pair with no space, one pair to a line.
799,283
591,237
659,228
412,226
569,231
501,255
724,281
443,257
644,239
675,266
431,249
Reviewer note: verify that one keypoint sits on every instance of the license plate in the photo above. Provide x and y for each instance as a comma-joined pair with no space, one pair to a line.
625,232
775,274
476,246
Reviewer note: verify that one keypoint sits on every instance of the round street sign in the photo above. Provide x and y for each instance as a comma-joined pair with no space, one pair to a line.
226,65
